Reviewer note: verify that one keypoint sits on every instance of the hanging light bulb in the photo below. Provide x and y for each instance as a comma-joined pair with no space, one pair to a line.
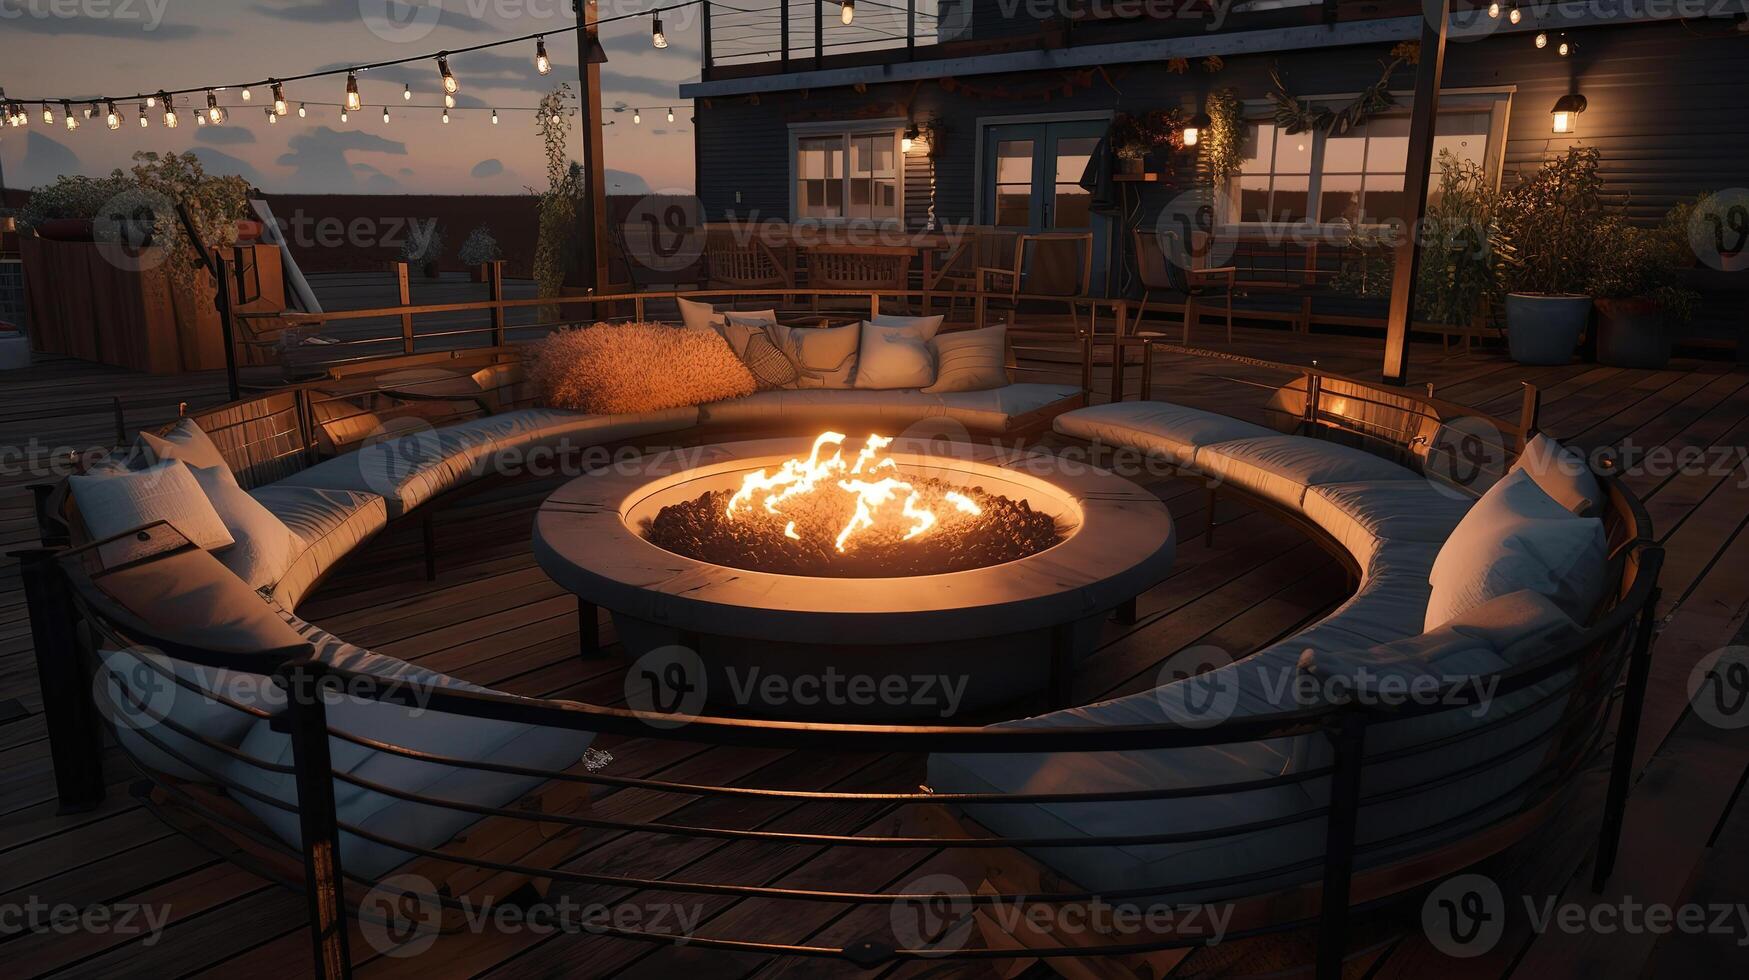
144,122
1565,49
343,114
670,113
910,138
113,118
170,119
385,113
151,101
1494,10
67,114
450,85
554,119
847,11
199,119
246,94
657,38
448,101
1514,15
406,93
272,117
212,105
542,63
352,100
636,118
1542,40
494,117
446,117
89,111
302,111
279,106
48,114
1193,128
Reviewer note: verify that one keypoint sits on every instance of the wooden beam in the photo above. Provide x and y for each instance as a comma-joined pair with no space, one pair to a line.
592,215
1422,115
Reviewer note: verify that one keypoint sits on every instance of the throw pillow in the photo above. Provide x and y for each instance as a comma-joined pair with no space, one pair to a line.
893,357
1518,537
1562,474
825,357
970,360
184,441
115,503
637,367
264,546
926,326
701,315
770,367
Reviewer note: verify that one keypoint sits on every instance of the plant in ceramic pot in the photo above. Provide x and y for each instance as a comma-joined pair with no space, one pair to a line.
1129,144
1552,222
478,249
1639,293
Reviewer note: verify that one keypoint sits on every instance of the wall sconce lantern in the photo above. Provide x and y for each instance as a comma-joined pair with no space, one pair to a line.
1193,128
1566,112
910,138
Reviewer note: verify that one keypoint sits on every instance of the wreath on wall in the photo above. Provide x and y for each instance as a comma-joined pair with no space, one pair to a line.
1296,115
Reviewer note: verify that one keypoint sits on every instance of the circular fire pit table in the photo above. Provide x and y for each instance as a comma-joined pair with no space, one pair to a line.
926,647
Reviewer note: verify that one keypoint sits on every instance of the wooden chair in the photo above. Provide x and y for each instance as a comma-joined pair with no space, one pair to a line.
1166,266
740,260
863,267
1048,266
976,247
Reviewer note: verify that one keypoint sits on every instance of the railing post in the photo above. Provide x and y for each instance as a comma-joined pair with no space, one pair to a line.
1117,368
783,28
1314,390
75,734
222,299
1347,734
405,290
819,33
495,283
307,717
1626,735
1147,369
705,57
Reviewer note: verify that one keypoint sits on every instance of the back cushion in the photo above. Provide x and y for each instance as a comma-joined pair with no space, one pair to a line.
1562,474
184,441
112,503
1517,537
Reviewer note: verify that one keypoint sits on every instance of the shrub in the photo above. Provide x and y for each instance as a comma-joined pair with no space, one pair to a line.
480,247
1552,221
421,249
1460,245
73,196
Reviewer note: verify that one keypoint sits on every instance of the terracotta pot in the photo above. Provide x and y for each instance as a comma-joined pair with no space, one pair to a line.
66,230
1632,333
1543,328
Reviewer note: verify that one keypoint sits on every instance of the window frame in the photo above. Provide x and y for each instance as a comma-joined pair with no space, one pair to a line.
1497,102
847,130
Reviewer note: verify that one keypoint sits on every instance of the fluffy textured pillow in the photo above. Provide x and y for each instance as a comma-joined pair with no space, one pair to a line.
264,546
115,503
637,367
894,357
184,441
1518,537
926,326
825,357
700,315
1562,474
970,360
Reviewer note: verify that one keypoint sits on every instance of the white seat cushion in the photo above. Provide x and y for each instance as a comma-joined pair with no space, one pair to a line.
987,411
328,525
1158,428
1280,468
416,824
1518,537
1361,516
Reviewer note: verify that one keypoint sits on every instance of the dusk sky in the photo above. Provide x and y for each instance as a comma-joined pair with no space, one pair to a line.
127,46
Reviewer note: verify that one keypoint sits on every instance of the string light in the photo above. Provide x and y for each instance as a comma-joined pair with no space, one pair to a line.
1565,49
657,38
352,100
48,114
302,112
212,106
636,119
847,11
446,117
494,117
170,119
1514,15
144,122
406,93
113,119
199,119
279,106
385,113
342,113
246,95
450,85
272,117
448,101
542,63
89,111
151,101
67,114
1542,40
1494,10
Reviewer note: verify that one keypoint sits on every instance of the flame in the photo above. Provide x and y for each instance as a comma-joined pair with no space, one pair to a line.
807,485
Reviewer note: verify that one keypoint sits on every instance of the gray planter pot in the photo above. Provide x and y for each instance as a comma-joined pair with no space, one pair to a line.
1544,329
1631,333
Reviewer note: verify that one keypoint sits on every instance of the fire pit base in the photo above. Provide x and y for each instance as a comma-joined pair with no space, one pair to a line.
708,637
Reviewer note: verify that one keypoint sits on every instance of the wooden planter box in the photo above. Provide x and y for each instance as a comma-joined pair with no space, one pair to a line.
84,305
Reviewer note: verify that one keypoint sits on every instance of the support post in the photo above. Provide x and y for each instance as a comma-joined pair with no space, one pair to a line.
223,299
705,57
1117,368
495,288
1621,771
592,212
404,289
1529,410
819,33
1147,369
1348,738
588,629
307,717
783,30
910,30
1407,265
75,733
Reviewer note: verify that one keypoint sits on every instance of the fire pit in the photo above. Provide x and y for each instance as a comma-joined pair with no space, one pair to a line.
775,564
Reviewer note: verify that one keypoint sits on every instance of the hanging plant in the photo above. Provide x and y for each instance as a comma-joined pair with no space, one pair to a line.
1295,115
1224,138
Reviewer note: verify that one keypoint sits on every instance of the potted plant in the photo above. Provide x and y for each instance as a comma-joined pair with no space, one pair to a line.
1128,144
1552,222
1460,253
422,250
479,249
63,211
1639,292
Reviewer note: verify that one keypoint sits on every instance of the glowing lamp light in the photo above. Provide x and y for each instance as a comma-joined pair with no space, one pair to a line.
144,122
342,115
657,38
113,118
670,113
450,85
909,139
406,93
272,117
1494,10
636,118
1566,114
542,63
494,117
246,94
48,114
302,110
1193,128
1514,15
446,117
279,105
199,119
385,113
353,102
212,106
151,101
448,101
1542,40
67,114
170,119
847,11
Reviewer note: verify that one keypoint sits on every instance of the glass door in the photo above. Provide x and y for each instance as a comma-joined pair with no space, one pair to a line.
1032,181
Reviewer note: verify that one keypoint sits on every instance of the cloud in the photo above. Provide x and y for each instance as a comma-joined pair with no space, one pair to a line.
318,157
224,164
224,135
487,168
46,158
378,14
406,171
138,20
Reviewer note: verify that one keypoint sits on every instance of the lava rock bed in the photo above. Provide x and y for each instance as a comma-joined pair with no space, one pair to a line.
1007,530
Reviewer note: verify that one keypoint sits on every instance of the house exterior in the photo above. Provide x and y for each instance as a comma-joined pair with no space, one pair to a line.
1017,93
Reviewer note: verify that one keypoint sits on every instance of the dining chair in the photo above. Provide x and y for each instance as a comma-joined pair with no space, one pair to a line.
1052,266
741,260
860,267
1167,267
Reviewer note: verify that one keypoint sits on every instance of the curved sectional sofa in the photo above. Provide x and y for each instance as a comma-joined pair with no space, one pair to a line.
1427,779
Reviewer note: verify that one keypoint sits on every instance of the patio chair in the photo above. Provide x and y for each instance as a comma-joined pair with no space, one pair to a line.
975,247
862,267
1165,266
1051,266
735,260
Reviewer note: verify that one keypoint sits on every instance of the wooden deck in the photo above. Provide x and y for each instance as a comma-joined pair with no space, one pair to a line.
494,618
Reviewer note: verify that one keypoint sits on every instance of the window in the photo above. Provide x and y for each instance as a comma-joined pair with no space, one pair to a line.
1355,177
848,176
